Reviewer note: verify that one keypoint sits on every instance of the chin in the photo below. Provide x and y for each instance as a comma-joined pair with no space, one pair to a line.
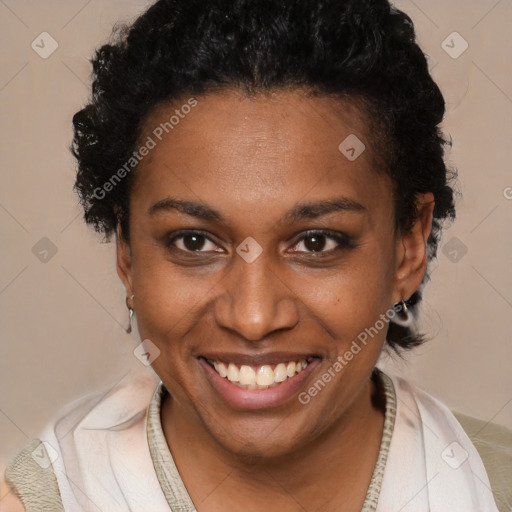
262,438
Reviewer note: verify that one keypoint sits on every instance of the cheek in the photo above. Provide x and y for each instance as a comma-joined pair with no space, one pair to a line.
353,297
166,302
166,297
166,310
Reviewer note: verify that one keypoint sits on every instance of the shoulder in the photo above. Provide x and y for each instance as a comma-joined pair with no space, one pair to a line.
36,476
9,500
494,444
29,481
490,442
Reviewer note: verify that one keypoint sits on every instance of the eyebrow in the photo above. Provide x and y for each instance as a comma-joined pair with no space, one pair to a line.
311,210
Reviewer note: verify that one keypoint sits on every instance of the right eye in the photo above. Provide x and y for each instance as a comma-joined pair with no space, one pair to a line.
189,242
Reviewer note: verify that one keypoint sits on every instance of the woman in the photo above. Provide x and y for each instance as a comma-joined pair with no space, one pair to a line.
274,177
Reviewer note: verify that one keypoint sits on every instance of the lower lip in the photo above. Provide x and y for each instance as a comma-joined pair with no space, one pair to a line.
257,398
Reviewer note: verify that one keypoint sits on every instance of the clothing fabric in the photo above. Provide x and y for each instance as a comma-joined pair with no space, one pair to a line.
494,445
111,454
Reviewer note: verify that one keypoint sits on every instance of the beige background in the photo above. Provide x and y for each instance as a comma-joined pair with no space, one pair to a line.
62,320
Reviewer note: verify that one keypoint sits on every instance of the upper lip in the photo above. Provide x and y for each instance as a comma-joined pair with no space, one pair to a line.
256,358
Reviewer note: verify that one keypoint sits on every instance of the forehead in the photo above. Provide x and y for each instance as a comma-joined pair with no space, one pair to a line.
250,153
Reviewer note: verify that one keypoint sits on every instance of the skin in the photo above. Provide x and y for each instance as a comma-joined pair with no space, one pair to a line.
253,160
9,502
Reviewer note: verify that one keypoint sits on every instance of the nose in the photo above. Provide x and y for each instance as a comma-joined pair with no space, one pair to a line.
255,301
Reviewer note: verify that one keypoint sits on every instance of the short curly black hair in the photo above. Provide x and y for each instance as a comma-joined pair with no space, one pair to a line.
364,50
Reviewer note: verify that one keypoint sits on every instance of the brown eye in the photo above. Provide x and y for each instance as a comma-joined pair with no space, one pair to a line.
315,243
191,241
322,242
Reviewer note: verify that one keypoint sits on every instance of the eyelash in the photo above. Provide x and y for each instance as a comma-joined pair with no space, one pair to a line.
343,241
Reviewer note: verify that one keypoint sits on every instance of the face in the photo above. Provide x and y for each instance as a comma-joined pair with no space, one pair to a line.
255,243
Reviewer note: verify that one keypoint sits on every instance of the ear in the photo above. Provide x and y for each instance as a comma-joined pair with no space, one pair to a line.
124,261
411,250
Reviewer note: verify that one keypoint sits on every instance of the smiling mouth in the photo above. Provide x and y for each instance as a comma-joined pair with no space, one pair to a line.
264,376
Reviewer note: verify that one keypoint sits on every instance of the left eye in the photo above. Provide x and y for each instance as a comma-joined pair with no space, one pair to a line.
321,242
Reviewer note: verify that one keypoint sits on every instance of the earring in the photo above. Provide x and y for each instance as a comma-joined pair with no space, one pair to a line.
403,316
131,311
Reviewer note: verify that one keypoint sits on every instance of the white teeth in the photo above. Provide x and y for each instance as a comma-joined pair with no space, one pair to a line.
280,373
233,373
222,370
290,369
247,375
264,377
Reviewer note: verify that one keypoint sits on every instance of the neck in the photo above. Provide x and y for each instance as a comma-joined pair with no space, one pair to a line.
339,462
